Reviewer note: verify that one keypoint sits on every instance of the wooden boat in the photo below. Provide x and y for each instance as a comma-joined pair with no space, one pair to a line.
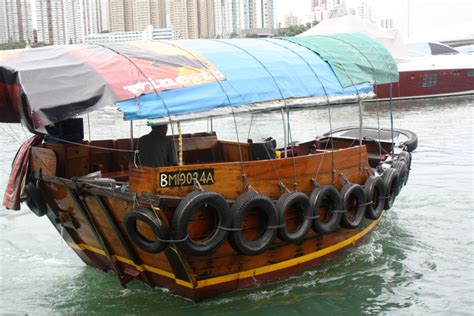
231,215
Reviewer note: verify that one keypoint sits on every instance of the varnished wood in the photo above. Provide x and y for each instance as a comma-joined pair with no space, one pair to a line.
234,173
264,176
43,160
73,160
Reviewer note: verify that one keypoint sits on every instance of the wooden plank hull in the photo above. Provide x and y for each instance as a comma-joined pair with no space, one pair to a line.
212,287
91,220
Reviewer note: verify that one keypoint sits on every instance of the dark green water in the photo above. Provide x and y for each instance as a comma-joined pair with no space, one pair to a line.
419,260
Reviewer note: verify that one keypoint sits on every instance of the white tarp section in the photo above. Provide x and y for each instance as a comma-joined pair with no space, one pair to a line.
391,39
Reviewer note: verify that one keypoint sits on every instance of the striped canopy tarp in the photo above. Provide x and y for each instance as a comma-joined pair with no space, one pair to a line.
170,79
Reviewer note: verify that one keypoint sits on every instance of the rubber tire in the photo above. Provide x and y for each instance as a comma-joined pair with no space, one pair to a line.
183,213
407,157
402,169
147,216
410,145
35,201
316,198
374,183
391,181
283,204
242,205
353,190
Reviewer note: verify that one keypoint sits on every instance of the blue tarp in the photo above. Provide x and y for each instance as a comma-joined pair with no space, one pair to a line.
255,71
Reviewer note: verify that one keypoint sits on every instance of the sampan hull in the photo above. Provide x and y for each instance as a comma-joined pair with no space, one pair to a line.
91,219
212,287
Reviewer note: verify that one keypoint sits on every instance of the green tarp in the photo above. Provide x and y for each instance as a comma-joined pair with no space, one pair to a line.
354,57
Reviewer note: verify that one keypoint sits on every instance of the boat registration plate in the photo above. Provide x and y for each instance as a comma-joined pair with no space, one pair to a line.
186,178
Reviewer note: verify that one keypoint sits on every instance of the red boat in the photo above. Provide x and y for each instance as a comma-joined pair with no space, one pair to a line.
434,70
426,69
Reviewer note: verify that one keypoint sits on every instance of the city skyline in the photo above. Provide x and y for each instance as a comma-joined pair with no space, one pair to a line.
428,19
74,19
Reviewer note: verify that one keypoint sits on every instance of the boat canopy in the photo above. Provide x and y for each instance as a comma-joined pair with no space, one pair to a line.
187,79
368,59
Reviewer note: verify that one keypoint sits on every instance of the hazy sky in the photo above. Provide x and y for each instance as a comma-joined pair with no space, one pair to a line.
429,19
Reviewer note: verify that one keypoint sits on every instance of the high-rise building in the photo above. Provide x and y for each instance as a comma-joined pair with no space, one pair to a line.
184,19
386,23
3,23
248,14
16,22
256,14
136,15
158,13
364,10
267,13
50,21
324,9
291,19
228,15
117,16
68,21
207,18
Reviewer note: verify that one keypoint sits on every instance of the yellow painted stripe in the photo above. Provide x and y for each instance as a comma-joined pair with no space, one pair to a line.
140,268
288,263
241,275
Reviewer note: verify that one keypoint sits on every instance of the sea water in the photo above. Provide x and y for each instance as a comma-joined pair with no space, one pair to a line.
419,260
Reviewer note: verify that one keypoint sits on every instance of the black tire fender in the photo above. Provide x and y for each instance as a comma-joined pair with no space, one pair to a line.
209,201
148,217
403,174
353,197
245,203
391,181
410,144
326,195
300,202
405,156
375,192
35,201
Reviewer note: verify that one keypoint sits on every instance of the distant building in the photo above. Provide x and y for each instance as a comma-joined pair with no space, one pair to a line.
291,19
364,10
16,23
326,4
261,32
235,15
206,18
150,33
386,23
3,23
248,14
267,11
135,15
184,19
68,21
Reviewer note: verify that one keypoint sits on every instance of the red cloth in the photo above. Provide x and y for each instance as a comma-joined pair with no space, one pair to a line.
16,182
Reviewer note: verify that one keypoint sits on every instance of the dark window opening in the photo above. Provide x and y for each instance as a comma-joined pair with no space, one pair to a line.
429,80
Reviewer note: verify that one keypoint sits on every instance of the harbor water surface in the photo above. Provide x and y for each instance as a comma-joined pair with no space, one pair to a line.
419,260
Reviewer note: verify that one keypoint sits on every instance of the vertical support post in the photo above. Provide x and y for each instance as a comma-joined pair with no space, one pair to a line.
360,122
284,134
180,145
89,126
131,135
